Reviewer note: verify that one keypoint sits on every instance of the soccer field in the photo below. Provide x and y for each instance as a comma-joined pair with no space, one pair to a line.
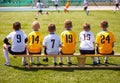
18,74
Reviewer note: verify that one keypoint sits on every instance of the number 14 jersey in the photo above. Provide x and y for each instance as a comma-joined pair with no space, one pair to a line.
69,40
105,40
35,42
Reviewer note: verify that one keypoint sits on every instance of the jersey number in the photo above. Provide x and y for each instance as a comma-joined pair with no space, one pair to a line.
35,39
69,39
87,37
53,42
103,38
18,38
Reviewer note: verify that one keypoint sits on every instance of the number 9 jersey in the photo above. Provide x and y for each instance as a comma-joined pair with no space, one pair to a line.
105,40
69,40
35,42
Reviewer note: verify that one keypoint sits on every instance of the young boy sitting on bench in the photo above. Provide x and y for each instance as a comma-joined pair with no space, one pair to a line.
105,41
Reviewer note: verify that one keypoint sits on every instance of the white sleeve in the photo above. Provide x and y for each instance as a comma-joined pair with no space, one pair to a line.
9,36
37,5
44,42
80,37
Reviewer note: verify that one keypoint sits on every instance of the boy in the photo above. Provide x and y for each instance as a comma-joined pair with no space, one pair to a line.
35,41
116,5
18,39
39,5
105,41
86,7
69,40
52,42
67,6
56,4
87,40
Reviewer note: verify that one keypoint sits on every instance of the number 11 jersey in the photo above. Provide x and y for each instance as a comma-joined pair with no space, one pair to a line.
105,40
35,42
69,40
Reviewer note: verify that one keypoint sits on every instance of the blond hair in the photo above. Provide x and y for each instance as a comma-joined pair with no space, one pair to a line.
68,24
35,25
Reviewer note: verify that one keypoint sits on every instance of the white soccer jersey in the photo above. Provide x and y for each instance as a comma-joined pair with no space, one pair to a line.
52,43
87,40
56,2
116,1
18,40
39,5
85,3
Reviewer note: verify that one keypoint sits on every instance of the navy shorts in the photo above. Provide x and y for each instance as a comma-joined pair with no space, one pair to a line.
16,53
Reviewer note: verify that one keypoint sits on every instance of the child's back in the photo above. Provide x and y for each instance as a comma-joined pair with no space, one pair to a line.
68,39
105,40
35,42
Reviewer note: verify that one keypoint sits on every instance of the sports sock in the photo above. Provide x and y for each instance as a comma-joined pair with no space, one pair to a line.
31,59
6,56
38,59
60,59
23,60
106,59
54,59
98,58
69,59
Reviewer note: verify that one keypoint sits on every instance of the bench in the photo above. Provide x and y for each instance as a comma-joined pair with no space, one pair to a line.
80,58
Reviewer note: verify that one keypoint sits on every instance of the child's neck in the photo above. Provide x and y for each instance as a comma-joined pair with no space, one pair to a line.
52,33
36,30
68,28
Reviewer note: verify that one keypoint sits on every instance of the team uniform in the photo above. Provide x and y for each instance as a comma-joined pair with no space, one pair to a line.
18,44
39,6
66,6
56,3
87,40
68,39
105,40
52,43
86,6
117,5
35,43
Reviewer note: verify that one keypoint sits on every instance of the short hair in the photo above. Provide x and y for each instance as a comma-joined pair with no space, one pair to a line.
36,24
86,26
16,25
104,24
68,24
51,27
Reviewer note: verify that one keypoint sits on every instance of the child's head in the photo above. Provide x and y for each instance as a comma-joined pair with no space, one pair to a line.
104,25
51,27
68,0
86,27
68,24
36,25
16,26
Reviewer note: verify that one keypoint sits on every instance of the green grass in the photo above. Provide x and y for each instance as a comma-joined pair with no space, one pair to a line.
15,74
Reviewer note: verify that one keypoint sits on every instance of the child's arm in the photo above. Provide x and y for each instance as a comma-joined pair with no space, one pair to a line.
6,41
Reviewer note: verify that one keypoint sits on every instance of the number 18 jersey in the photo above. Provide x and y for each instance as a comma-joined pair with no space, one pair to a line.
68,39
105,40
35,42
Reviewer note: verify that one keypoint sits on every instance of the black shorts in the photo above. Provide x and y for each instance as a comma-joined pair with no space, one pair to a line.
40,11
16,53
85,8
104,54
35,53
56,5
45,51
87,51
66,53
117,5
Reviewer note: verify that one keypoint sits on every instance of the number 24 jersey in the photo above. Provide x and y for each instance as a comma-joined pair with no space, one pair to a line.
105,40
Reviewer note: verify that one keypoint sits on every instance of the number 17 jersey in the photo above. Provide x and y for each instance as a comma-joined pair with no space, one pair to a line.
105,40
68,39
35,42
